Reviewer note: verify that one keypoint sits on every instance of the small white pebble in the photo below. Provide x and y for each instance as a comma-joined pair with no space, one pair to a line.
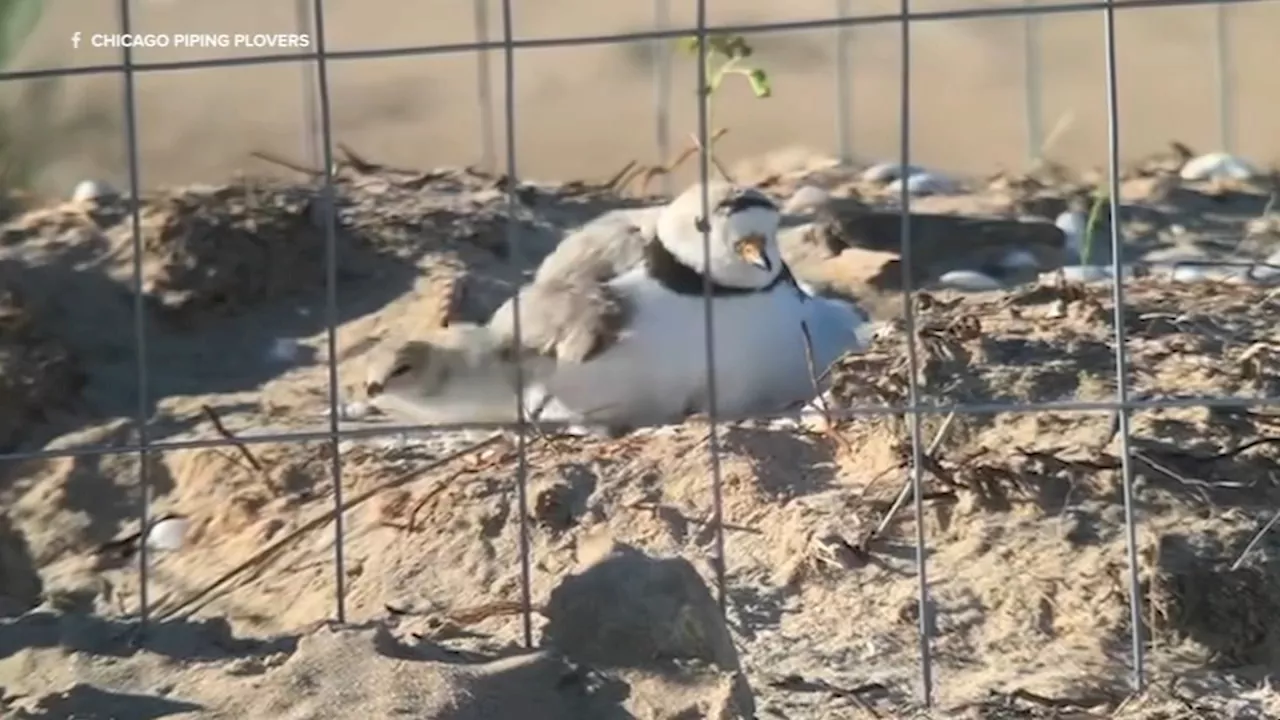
168,534
1218,165
921,184
1093,273
355,410
284,350
1192,273
1264,273
92,190
1019,260
806,199
1072,225
888,172
969,280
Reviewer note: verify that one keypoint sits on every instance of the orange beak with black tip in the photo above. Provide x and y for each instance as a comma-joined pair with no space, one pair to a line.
752,249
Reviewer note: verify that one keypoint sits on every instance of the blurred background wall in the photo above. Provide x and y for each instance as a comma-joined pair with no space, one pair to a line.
584,112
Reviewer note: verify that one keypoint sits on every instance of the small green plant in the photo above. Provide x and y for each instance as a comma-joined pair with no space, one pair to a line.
1101,197
726,56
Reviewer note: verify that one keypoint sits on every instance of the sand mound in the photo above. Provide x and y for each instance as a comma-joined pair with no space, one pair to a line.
392,668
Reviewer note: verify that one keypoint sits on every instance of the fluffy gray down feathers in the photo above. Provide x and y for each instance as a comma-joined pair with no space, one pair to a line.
569,319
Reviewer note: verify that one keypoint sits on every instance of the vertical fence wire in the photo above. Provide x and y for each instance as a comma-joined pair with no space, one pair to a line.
713,437
484,87
312,151
139,316
913,365
513,251
1224,78
329,209
844,90
1121,354
1032,83
662,90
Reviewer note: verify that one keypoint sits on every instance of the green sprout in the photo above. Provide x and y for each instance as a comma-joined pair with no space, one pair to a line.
1101,197
726,56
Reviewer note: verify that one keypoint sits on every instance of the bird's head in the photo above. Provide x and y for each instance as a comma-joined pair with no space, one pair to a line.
742,231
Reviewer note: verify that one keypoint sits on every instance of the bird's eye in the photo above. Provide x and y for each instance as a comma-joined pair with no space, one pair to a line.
400,370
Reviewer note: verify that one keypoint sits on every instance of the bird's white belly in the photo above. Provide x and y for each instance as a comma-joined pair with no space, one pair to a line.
658,372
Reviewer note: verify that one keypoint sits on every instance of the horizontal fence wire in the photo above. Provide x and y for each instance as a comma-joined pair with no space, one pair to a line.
869,411
319,124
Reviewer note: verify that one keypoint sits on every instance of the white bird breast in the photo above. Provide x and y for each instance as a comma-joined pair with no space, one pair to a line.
658,370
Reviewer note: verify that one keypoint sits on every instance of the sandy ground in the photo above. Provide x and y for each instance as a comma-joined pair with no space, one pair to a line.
582,112
1030,614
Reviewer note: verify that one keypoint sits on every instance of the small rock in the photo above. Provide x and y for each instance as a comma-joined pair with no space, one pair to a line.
806,199
1019,260
284,350
969,281
93,191
1268,271
922,184
1094,273
886,172
1073,226
168,533
1218,166
355,410
553,506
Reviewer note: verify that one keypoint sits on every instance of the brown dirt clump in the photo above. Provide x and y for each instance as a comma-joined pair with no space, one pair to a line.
39,376
20,584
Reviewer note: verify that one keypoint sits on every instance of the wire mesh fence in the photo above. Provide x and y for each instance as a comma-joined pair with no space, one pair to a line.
319,145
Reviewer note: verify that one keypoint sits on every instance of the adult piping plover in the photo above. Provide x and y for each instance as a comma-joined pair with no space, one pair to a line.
624,346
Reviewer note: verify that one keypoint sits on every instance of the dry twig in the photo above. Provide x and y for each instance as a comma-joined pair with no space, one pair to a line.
358,163
287,164
1253,542
816,381
905,492
236,442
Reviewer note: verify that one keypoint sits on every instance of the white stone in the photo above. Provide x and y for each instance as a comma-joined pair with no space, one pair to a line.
1218,165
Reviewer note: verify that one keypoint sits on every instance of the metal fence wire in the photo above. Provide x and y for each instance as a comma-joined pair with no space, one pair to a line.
319,145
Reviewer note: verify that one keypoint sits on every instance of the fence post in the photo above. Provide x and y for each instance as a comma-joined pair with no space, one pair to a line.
1226,89
844,99
1033,108
484,87
661,55
311,147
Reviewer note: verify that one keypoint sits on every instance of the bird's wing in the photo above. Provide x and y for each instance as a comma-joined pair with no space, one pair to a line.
570,319
603,248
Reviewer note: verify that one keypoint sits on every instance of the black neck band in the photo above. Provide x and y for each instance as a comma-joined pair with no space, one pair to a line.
681,279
